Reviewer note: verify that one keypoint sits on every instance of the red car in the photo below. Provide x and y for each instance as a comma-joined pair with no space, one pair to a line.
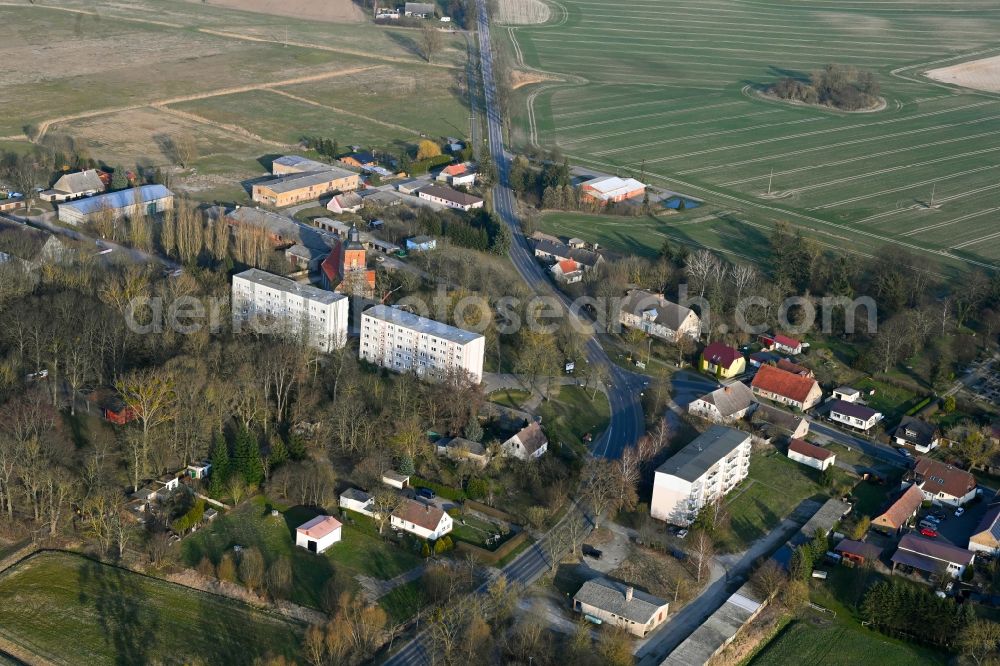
927,532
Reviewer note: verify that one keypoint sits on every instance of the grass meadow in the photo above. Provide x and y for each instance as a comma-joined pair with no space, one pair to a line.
71,610
664,89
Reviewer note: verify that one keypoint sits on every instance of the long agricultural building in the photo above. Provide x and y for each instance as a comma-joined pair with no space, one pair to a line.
275,304
143,200
404,342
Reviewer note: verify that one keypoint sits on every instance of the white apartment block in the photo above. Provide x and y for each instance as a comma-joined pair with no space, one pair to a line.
404,342
707,468
274,304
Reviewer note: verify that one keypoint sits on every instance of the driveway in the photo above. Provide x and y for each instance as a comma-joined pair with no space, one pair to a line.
957,530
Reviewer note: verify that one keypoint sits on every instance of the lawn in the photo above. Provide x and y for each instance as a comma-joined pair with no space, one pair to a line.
872,498
403,602
361,550
823,643
669,97
839,638
774,487
513,398
889,399
475,531
572,414
69,609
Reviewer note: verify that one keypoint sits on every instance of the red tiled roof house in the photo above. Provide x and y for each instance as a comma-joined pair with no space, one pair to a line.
787,388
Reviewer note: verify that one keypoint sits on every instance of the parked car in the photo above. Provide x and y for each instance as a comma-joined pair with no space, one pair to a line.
426,493
932,518
678,554
959,511
904,452
929,533
681,534
590,551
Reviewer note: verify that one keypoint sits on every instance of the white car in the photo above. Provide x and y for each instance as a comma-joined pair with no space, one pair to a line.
959,511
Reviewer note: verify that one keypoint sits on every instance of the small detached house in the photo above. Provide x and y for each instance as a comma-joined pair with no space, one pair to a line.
318,534
199,470
529,443
722,360
620,605
814,456
916,433
725,404
458,174
900,513
854,415
941,483
354,499
74,185
450,198
424,520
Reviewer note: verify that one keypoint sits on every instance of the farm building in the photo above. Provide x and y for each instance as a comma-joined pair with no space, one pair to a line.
357,500
901,512
986,537
858,552
786,388
930,556
418,9
656,316
74,186
146,199
770,422
814,456
611,189
567,271
450,198
318,534
288,164
620,605
306,186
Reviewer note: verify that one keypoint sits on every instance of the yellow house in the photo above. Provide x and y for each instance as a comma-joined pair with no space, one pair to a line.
723,361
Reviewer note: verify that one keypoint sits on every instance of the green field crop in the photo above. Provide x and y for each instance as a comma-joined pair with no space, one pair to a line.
69,609
669,95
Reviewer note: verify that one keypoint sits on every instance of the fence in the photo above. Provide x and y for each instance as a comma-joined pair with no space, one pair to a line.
492,556
490,511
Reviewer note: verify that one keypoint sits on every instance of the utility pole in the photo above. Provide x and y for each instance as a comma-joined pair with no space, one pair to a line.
933,187
769,179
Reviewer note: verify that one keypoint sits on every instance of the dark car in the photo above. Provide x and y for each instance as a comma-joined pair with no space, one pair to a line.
678,554
590,551
426,493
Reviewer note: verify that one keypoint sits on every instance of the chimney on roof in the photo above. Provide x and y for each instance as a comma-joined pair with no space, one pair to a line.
628,593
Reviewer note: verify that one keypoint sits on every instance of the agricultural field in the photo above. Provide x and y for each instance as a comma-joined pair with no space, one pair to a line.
239,84
71,610
670,97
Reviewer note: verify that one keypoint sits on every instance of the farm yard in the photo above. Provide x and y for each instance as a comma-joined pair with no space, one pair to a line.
71,610
670,98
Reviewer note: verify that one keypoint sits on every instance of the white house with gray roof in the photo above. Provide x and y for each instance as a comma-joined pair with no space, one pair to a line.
620,605
656,316
269,303
404,342
704,470
725,404
74,185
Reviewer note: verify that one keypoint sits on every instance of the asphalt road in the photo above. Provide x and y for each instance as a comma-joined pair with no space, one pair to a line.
624,388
